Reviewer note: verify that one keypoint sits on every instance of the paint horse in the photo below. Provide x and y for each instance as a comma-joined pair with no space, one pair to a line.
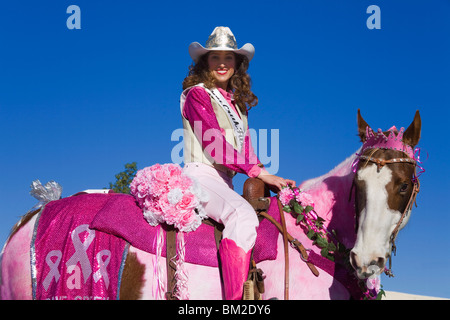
376,185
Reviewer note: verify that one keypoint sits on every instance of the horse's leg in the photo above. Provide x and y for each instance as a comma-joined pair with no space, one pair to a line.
15,280
132,278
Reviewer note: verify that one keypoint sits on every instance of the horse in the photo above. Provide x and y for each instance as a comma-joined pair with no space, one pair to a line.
365,200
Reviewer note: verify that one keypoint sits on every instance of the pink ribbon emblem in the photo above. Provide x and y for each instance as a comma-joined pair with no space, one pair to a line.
54,272
80,254
102,272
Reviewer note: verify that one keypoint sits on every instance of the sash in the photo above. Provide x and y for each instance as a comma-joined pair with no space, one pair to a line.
236,122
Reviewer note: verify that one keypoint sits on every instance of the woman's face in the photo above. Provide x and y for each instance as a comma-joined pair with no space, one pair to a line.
222,64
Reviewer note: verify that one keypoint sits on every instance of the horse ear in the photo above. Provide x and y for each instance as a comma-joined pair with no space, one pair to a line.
412,134
362,125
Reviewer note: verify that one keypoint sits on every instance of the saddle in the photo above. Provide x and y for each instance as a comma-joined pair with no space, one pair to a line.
257,193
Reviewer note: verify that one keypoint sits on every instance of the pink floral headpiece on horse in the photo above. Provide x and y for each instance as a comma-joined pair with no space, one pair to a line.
393,141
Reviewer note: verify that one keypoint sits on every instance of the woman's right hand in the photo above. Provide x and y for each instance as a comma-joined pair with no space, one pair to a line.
275,183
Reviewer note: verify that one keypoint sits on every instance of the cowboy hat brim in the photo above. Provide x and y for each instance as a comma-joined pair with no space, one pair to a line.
196,50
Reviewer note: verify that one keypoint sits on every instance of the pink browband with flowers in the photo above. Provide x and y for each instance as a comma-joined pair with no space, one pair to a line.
393,141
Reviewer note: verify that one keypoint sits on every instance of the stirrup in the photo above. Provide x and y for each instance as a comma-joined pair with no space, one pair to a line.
254,286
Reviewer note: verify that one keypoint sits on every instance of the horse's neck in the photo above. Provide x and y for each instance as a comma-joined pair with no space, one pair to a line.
343,170
333,201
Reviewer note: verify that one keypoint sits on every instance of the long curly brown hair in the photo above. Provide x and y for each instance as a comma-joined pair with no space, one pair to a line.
240,82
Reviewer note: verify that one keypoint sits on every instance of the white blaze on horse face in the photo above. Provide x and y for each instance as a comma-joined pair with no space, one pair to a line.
376,222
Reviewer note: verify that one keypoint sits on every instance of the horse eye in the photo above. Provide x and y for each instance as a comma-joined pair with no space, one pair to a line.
404,188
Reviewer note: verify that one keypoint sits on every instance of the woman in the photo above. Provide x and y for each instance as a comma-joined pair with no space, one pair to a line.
217,145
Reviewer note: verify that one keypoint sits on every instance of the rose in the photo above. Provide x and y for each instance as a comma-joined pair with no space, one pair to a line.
187,221
188,202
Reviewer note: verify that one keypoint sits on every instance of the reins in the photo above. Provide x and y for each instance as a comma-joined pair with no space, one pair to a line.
286,250
294,244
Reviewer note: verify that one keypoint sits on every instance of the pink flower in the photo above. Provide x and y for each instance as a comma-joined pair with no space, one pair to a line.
163,203
171,215
174,169
161,176
154,167
179,181
188,221
188,202
305,199
373,283
142,189
285,196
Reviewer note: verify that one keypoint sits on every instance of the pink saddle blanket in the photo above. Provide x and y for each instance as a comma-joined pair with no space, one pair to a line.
122,217
69,260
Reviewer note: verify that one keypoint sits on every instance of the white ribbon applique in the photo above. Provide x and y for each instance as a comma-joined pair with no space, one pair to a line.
102,272
54,272
80,254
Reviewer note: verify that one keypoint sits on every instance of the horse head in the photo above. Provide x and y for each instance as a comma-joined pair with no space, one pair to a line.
385,188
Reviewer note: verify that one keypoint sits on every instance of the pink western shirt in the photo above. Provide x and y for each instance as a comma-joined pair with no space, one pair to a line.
198,107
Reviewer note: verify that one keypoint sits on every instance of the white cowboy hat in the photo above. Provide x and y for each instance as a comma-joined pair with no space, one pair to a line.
221,39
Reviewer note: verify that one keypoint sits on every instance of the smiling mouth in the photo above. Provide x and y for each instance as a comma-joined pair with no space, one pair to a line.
222,72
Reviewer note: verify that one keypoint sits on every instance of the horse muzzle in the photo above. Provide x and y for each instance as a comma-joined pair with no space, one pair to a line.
372,265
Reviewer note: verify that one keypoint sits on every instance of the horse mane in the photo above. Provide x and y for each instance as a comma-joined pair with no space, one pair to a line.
23,221
333,201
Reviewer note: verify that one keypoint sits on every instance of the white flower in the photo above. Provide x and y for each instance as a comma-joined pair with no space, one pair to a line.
152,218
174,196
192,226
201,212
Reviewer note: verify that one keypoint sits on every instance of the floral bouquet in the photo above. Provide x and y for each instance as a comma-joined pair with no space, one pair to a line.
167,194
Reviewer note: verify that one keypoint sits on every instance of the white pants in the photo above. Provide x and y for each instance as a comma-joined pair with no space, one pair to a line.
225,205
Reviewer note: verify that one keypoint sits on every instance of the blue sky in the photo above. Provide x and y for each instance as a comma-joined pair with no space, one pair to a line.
76,105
